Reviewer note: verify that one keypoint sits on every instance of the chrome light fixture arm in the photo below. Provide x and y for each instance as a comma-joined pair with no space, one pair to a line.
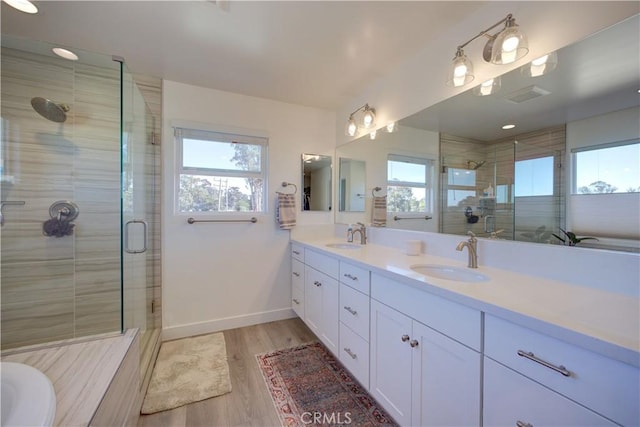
507,19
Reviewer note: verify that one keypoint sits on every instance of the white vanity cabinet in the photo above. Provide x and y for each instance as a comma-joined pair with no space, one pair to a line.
354,321
570,378
297,279
420,374
321,291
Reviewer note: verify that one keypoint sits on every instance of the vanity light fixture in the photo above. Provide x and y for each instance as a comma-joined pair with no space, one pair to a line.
504,47
488,87
65,53
367,121
541,66
22,5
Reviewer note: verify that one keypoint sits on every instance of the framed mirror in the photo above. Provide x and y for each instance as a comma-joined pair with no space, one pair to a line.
316,183
351,185
520,183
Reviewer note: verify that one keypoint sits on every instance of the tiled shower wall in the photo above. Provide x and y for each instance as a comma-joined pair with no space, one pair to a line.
57,288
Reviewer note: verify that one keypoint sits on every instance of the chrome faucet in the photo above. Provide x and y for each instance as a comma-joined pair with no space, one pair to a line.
472,246
363,234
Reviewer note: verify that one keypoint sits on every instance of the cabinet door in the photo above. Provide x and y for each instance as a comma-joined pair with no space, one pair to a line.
446,386
313,300
512,399
330,323
390,361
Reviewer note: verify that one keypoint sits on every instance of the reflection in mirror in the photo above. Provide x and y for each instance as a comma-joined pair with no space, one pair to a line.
519,183
316,182
351,185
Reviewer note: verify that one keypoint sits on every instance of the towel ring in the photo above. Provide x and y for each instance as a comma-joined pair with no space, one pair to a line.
373,192
286,184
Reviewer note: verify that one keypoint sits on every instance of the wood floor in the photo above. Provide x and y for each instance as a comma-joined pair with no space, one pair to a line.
249,403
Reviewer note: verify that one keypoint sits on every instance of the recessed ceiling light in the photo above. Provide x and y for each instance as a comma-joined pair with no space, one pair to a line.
64,53
505,127
22,5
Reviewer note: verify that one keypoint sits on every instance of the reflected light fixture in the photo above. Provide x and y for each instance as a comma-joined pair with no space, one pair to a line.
509,126
65,53
22,5
367,121
488,87
504,47
541,66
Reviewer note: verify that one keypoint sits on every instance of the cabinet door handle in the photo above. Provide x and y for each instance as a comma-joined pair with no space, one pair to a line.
350,353
296,252
349,276
523,424
413,343
560,369
317,283
296,301
295,273
405,338
350,310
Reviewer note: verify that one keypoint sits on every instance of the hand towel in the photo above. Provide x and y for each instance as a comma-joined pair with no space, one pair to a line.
286,211
379,211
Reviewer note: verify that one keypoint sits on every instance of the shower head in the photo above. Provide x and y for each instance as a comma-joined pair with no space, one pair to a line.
49,109
473,165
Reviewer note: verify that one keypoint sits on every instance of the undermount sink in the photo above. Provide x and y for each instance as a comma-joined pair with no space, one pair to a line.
446,272
343,245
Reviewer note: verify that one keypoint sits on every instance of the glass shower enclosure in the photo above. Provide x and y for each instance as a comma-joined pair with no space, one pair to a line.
79,208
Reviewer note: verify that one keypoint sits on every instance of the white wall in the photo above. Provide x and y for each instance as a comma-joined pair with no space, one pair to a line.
219,276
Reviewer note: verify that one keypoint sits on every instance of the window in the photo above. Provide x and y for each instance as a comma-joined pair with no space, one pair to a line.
461,186
608,168
534,177
409,184
220,172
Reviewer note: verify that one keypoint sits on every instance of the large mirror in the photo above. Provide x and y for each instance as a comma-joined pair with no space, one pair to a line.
316,183
548,173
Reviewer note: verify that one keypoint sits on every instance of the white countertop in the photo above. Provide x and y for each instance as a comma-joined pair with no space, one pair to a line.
600,321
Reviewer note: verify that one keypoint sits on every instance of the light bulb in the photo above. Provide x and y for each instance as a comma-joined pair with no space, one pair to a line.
391,127
486,88
509,49
372,134
368,118
352,128
540,61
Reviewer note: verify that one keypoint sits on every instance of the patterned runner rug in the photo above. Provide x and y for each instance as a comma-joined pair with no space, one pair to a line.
310,387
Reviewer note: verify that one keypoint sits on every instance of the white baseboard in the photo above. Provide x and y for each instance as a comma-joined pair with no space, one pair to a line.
216,325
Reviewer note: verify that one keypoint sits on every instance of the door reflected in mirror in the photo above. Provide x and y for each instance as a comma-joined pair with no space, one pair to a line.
351,185
316,182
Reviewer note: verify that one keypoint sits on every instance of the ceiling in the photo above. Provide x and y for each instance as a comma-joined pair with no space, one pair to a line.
313,53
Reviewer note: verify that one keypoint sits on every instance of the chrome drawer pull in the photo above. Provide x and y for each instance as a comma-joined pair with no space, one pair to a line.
350,310
317,283
405,338
295,273
296,301
349,276
350,353
296,252
413,343
523,424
529,355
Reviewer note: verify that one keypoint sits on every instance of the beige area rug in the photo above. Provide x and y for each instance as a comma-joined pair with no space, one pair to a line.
188,370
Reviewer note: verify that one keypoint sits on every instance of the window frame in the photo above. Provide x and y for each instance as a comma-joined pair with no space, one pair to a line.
218,136
428,185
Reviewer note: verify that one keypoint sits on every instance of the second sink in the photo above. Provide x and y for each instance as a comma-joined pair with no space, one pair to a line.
449,273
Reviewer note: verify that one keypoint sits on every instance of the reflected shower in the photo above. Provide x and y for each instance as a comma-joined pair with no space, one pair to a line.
473,165
49,109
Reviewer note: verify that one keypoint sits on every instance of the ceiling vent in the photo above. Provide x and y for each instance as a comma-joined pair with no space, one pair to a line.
526,94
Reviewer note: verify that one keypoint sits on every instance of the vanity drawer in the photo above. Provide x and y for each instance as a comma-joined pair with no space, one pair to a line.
454,320
511,399
354,310
297,251
297,301
321,262
604,385
356,277
297,273
354,354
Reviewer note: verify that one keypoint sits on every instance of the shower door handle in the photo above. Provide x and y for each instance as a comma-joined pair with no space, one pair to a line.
126,236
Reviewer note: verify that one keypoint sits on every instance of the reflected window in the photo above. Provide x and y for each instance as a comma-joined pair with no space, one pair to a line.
610,168
219,172
534,177
409,184
461,186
